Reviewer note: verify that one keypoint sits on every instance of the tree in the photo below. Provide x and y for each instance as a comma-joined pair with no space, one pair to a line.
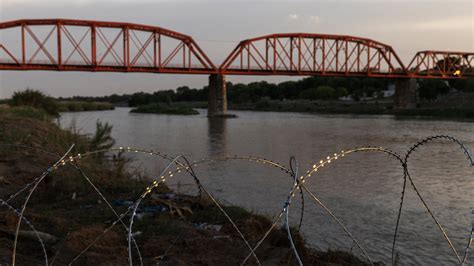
308,94
431,88
464,85
102,139
325,93
341,92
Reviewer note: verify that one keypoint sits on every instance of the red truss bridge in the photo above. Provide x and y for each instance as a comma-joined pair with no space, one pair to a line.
79,45
99,46
313,54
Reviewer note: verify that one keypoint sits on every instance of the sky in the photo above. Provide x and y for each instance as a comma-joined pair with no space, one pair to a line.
218,26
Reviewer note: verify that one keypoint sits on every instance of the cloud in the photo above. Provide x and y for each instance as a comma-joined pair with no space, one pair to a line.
302,19
293,16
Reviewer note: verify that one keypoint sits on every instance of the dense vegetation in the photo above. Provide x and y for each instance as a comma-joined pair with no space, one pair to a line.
312,94
79,106
37,99
311,88
324,88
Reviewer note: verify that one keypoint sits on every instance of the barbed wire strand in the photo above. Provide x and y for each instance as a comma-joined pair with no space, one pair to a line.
23,208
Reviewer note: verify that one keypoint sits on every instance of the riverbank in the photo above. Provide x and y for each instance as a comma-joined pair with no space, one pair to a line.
454,107
161,108
368,108
173,228
80,106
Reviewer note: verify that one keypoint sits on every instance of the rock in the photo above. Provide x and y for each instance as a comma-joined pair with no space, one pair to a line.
45,237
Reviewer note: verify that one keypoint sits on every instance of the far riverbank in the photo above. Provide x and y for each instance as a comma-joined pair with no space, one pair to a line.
455,107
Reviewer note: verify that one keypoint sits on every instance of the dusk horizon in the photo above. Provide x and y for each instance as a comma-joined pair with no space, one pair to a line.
218,27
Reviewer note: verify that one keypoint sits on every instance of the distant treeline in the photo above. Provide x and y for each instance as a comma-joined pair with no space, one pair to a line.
311,88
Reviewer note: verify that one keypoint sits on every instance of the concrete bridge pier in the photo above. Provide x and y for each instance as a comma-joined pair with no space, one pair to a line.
405,93
217,99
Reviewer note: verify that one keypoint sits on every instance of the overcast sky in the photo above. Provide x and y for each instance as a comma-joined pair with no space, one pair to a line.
217,26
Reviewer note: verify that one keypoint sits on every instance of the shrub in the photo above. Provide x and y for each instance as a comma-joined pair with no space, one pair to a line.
35,99
262,104
321,93
102,138
430,89
325,93
341,92
309,94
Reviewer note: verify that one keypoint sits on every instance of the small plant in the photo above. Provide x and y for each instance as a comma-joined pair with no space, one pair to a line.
102,139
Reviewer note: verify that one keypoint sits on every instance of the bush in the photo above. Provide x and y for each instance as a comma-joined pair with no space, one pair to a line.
321,93
308,94
102,138
35,99
325,93
262,104
341,92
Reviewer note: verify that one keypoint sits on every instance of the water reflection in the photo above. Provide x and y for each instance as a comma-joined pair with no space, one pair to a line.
217,134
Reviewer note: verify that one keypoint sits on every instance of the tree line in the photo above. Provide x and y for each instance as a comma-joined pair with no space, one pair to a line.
311,88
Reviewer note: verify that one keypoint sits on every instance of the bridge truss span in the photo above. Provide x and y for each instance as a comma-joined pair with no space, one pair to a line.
83,45
442,64
80,45
313,54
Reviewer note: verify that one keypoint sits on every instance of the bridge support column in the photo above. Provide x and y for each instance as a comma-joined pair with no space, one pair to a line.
217,99
405,93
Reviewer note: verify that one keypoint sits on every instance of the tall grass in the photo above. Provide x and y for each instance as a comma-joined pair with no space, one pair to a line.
36,99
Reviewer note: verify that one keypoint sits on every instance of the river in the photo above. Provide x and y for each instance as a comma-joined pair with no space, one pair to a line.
362,189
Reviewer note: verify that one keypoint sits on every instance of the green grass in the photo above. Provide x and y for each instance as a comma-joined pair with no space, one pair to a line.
156,108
